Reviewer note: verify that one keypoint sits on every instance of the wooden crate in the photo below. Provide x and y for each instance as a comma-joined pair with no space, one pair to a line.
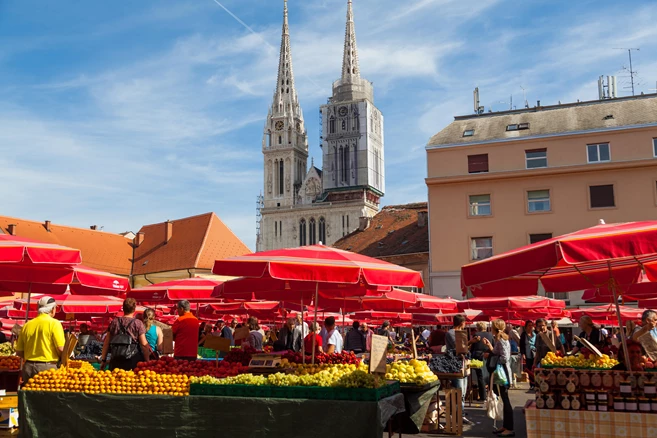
453,412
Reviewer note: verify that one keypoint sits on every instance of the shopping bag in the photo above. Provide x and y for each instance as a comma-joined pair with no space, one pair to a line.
499,376
493,405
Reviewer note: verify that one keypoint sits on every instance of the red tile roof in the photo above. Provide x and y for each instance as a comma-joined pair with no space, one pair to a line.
196,242
393,231
100,250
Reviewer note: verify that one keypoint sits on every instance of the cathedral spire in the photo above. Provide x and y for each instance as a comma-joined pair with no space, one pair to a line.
285,97
350,67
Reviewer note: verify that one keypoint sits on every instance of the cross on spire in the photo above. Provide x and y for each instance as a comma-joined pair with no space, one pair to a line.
350,67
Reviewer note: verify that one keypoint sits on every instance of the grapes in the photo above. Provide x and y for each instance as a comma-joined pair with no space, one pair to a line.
447,363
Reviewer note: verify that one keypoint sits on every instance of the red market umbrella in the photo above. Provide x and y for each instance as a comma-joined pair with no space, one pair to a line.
444,318
75,304
392,317
195,289
393,301
601,255
511,303
607,312
643,289
318,264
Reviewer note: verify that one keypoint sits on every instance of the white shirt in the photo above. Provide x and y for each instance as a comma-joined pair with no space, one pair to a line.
304,330
426,334
334,338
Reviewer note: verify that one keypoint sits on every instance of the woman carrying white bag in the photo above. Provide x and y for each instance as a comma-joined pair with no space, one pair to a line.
499,364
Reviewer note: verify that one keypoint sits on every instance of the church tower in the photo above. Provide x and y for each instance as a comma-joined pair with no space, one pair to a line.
285,141
352,131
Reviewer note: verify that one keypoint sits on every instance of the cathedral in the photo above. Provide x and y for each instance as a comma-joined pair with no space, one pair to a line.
303,206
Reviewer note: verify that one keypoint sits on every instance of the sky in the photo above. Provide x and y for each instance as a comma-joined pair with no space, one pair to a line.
121,114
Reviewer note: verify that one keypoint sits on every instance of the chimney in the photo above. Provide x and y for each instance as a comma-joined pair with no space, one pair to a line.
364,223
47,225
12,229
422,218
93,227
138,240
168,231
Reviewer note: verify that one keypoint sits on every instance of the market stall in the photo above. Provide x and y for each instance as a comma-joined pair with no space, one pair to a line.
614,256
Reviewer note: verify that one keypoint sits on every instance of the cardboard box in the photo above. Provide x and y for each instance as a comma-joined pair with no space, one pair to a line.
167,337
8,418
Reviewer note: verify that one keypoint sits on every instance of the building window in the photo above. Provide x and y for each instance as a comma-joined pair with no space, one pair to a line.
302,232
332,125
322,230
535,238
281,171
598,153
468,133
280,228
280,140
654,147
312,231
481,248
344,125
536,158
276,229
602,196
480,205
538,200
478,163
517,127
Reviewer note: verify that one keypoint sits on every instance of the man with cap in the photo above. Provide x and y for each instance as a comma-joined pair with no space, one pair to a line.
41,341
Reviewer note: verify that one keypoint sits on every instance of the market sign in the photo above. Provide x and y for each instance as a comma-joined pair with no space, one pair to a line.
378,354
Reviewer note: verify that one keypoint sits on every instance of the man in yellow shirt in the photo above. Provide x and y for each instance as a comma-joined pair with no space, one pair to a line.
41,341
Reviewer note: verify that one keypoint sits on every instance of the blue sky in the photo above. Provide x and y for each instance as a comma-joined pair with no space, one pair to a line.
128,113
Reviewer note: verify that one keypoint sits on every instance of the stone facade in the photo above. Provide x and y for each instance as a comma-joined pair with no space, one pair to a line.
304,207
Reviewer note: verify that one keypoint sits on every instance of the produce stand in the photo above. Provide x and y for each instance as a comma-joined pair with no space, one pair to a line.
124,416
593,402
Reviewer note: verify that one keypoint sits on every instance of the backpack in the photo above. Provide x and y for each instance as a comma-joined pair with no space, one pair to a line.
122,346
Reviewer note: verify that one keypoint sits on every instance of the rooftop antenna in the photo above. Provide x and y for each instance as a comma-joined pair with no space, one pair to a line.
632,72
477,108
524,96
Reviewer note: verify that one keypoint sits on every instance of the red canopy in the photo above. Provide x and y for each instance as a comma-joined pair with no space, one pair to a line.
93,304
392,317
194,289
511,303
591,257
607,312
393,301
292,273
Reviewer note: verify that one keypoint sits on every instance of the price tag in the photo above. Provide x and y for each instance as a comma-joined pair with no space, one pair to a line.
216,343
461,338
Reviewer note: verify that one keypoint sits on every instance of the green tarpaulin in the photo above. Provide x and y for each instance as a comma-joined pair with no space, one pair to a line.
51,414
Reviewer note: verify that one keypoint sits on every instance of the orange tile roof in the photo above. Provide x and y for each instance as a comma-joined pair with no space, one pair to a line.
393,231
100,250
196,242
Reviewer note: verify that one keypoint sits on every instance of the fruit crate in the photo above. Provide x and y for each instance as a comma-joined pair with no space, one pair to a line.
208,353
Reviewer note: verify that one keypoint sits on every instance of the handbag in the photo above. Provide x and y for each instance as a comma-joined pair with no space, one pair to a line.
493,405
491,363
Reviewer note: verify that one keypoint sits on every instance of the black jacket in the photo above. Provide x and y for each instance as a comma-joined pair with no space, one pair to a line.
355,340
288,340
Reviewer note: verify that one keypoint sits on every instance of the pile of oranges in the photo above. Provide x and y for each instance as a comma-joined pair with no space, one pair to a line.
108,382
10,362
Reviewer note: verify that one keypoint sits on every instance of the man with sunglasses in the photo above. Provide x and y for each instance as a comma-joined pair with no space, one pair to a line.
41,341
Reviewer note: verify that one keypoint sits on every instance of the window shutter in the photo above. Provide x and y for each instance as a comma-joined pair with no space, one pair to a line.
478,163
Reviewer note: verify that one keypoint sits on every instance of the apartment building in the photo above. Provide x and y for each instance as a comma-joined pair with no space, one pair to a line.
498,181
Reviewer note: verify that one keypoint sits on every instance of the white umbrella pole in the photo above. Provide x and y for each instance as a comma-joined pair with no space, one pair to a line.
620,325
314,337
29,296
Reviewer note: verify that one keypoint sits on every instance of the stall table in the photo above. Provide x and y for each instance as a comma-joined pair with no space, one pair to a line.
543,423
417,401
47,414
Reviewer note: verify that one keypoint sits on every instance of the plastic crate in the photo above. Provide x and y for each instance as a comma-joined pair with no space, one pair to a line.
208,353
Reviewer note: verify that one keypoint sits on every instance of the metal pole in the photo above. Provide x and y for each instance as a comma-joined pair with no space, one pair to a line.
303,341
620,325
629,51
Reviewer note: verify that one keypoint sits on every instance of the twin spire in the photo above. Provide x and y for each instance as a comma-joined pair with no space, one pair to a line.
285,90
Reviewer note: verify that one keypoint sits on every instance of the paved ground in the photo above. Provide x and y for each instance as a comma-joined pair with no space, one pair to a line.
483,425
